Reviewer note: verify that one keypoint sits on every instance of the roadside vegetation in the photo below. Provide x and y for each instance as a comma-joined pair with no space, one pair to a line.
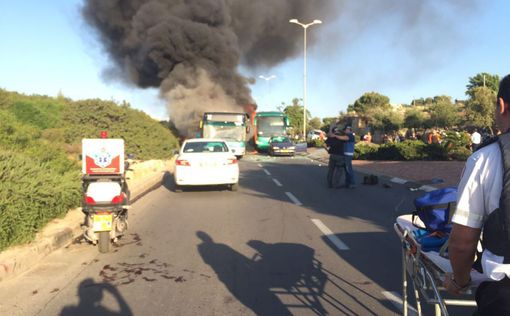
403,131
40,143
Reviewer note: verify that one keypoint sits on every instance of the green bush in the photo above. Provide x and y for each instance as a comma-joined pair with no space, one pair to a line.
38,181
389,151
456,139
411,149
316,143
436,152
40,115
365,151
144,137
459,153
32,194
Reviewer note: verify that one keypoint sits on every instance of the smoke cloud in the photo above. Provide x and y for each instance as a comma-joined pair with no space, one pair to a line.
191,49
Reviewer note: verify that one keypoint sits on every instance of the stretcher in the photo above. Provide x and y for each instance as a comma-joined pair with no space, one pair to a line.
426,271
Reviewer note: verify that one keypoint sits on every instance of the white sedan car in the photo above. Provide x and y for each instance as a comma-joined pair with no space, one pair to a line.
203,161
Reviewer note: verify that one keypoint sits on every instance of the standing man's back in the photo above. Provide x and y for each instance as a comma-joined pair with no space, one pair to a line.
484,203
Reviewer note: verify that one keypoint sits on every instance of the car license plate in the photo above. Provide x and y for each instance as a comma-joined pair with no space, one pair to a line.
209,164
103,222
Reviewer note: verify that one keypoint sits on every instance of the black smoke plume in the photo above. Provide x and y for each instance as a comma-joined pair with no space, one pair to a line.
191,49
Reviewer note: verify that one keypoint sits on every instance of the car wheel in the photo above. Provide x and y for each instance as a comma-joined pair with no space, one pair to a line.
177,188
234,187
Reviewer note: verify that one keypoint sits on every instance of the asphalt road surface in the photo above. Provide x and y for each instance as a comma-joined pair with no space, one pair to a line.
283,244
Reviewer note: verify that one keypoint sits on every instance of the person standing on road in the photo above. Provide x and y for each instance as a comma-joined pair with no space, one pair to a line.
484,202
348,138
476,139
336,165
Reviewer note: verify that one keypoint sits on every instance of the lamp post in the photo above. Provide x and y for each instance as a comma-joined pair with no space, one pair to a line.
267,78
305,27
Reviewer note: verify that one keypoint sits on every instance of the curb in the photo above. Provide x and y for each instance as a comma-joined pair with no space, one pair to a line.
412,185
18,259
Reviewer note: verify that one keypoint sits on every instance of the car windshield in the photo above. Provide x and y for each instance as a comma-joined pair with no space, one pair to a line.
280,140
205,147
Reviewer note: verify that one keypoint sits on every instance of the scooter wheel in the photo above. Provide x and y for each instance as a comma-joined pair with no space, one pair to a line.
104,242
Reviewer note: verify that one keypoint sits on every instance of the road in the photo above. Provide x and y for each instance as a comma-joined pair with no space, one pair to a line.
283,244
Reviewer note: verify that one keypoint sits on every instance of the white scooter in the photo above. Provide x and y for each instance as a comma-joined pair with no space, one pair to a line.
105,191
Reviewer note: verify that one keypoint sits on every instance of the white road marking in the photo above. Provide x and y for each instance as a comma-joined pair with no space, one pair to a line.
267,172
329,234
398,180
396,300
259,165
277,182
293,198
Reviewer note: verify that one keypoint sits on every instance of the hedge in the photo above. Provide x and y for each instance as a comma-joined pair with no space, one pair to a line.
32,193
40,137
411,150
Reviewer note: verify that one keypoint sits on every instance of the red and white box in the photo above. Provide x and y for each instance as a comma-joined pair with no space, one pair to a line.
102,156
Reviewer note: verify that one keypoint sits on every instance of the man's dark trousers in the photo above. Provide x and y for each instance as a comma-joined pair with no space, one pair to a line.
335,169
493,298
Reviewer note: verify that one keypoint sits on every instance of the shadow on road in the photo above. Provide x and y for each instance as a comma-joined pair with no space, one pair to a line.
277,273
91,296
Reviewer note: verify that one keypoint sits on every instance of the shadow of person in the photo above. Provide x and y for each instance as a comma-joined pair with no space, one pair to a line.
294,268
251,280
91,294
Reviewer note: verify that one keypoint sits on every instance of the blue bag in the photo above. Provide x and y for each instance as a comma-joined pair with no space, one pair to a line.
435,209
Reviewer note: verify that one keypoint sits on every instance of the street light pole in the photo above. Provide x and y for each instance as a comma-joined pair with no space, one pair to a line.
305,27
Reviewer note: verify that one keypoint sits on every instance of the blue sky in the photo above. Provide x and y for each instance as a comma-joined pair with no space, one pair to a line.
45,48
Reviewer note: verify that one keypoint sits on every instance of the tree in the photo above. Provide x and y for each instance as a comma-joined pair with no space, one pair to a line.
386,120
295,114
327,122
482,79
369,101
444,113
415,118
480,107
315,123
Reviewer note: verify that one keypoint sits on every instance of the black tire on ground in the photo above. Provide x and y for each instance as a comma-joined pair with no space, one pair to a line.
234,187
104,242
177,188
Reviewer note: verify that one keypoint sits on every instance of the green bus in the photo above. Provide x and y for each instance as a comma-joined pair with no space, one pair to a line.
267,125
230,126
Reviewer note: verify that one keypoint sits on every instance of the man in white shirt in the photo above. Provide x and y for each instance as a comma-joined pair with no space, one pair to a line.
479,195
476,139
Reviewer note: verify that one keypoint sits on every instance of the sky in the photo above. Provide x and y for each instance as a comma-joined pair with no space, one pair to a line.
46,48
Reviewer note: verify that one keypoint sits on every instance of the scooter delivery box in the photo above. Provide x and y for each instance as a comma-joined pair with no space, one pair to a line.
102,156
